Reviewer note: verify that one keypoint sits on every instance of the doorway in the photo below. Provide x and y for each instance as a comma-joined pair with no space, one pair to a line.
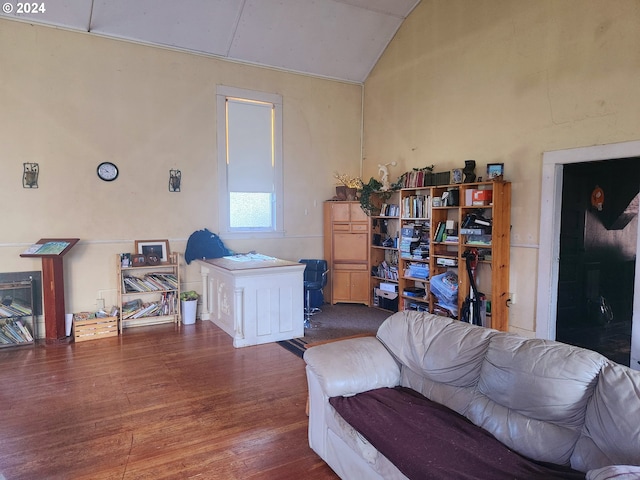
554,164
598,237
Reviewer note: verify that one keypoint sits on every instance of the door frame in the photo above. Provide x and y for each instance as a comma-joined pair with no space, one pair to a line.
549,249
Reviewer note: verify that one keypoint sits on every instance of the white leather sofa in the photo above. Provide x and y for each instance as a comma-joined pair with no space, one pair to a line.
548,401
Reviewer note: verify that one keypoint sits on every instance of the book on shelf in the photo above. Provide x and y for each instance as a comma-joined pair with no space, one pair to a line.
166,305
416,206
14,333
12,307
4,340
439,234
151,282
25,331
389,210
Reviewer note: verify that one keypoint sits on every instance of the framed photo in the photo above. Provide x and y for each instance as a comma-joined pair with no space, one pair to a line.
138,260
125,260
456,175
154,247
495,170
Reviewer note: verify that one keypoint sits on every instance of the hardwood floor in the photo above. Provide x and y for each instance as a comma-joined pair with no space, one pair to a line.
155,403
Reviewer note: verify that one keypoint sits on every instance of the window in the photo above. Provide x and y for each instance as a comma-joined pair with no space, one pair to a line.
249,161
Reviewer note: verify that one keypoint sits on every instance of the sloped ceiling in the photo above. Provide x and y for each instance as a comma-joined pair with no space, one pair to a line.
339,39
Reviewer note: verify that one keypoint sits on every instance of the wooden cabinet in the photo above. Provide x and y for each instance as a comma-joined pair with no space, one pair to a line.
350,286
149,294
346,249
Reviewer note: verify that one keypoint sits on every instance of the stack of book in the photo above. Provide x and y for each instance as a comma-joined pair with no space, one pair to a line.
14,308
417,270
390,272
137,309
414,243
409,240
151,282
14,331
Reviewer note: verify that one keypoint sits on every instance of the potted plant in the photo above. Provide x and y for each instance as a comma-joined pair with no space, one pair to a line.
366,190
347,186
188,306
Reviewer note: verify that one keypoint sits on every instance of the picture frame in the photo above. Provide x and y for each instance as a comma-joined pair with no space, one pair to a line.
456,176
158,247
125,260
138,260
495,171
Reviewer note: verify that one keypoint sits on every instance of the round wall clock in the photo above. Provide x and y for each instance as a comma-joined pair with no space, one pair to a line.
107,171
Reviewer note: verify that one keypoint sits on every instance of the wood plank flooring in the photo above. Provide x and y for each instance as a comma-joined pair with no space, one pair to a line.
155,403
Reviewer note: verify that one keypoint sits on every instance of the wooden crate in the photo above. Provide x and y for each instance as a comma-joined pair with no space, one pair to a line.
94,328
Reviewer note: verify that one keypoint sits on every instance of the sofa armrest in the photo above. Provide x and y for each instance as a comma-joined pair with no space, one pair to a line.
617,472
352,366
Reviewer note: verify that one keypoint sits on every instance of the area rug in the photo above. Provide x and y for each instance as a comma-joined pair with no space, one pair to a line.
336,322
295,346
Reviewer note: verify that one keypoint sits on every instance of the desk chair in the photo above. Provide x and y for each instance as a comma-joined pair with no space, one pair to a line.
315,278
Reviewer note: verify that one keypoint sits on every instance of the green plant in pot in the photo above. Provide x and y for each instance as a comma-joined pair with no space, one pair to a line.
189,306
366,192
189,295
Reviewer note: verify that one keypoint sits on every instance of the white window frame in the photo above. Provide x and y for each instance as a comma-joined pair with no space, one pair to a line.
225,230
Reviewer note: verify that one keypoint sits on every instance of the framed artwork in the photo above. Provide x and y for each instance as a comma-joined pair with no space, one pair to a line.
138,260
154,247
456,175
495,170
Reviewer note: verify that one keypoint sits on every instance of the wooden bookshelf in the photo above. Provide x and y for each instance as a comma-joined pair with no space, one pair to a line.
149,294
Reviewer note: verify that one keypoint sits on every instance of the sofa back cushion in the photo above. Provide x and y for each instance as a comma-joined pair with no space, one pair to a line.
611,433
532,395
440,357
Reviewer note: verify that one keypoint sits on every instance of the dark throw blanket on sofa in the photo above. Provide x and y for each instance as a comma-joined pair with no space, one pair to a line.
426,440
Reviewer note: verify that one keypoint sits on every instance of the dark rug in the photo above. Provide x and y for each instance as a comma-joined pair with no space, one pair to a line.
338,321
295,346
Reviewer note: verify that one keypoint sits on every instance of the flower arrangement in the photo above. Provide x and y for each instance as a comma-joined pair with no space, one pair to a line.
347,180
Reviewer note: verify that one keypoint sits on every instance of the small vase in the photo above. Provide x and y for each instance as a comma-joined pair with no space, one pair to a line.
469,171
341,192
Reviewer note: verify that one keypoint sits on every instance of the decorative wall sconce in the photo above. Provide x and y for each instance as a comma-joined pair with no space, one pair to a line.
175,177
30,175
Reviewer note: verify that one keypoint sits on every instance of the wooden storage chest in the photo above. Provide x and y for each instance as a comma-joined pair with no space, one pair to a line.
94,328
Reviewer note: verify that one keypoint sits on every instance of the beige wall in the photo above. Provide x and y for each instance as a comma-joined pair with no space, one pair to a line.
505,81
69,101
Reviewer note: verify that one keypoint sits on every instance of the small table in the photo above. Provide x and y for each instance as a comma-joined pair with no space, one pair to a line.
255,299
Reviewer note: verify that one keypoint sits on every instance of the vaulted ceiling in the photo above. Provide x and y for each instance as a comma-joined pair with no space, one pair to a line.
339,39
